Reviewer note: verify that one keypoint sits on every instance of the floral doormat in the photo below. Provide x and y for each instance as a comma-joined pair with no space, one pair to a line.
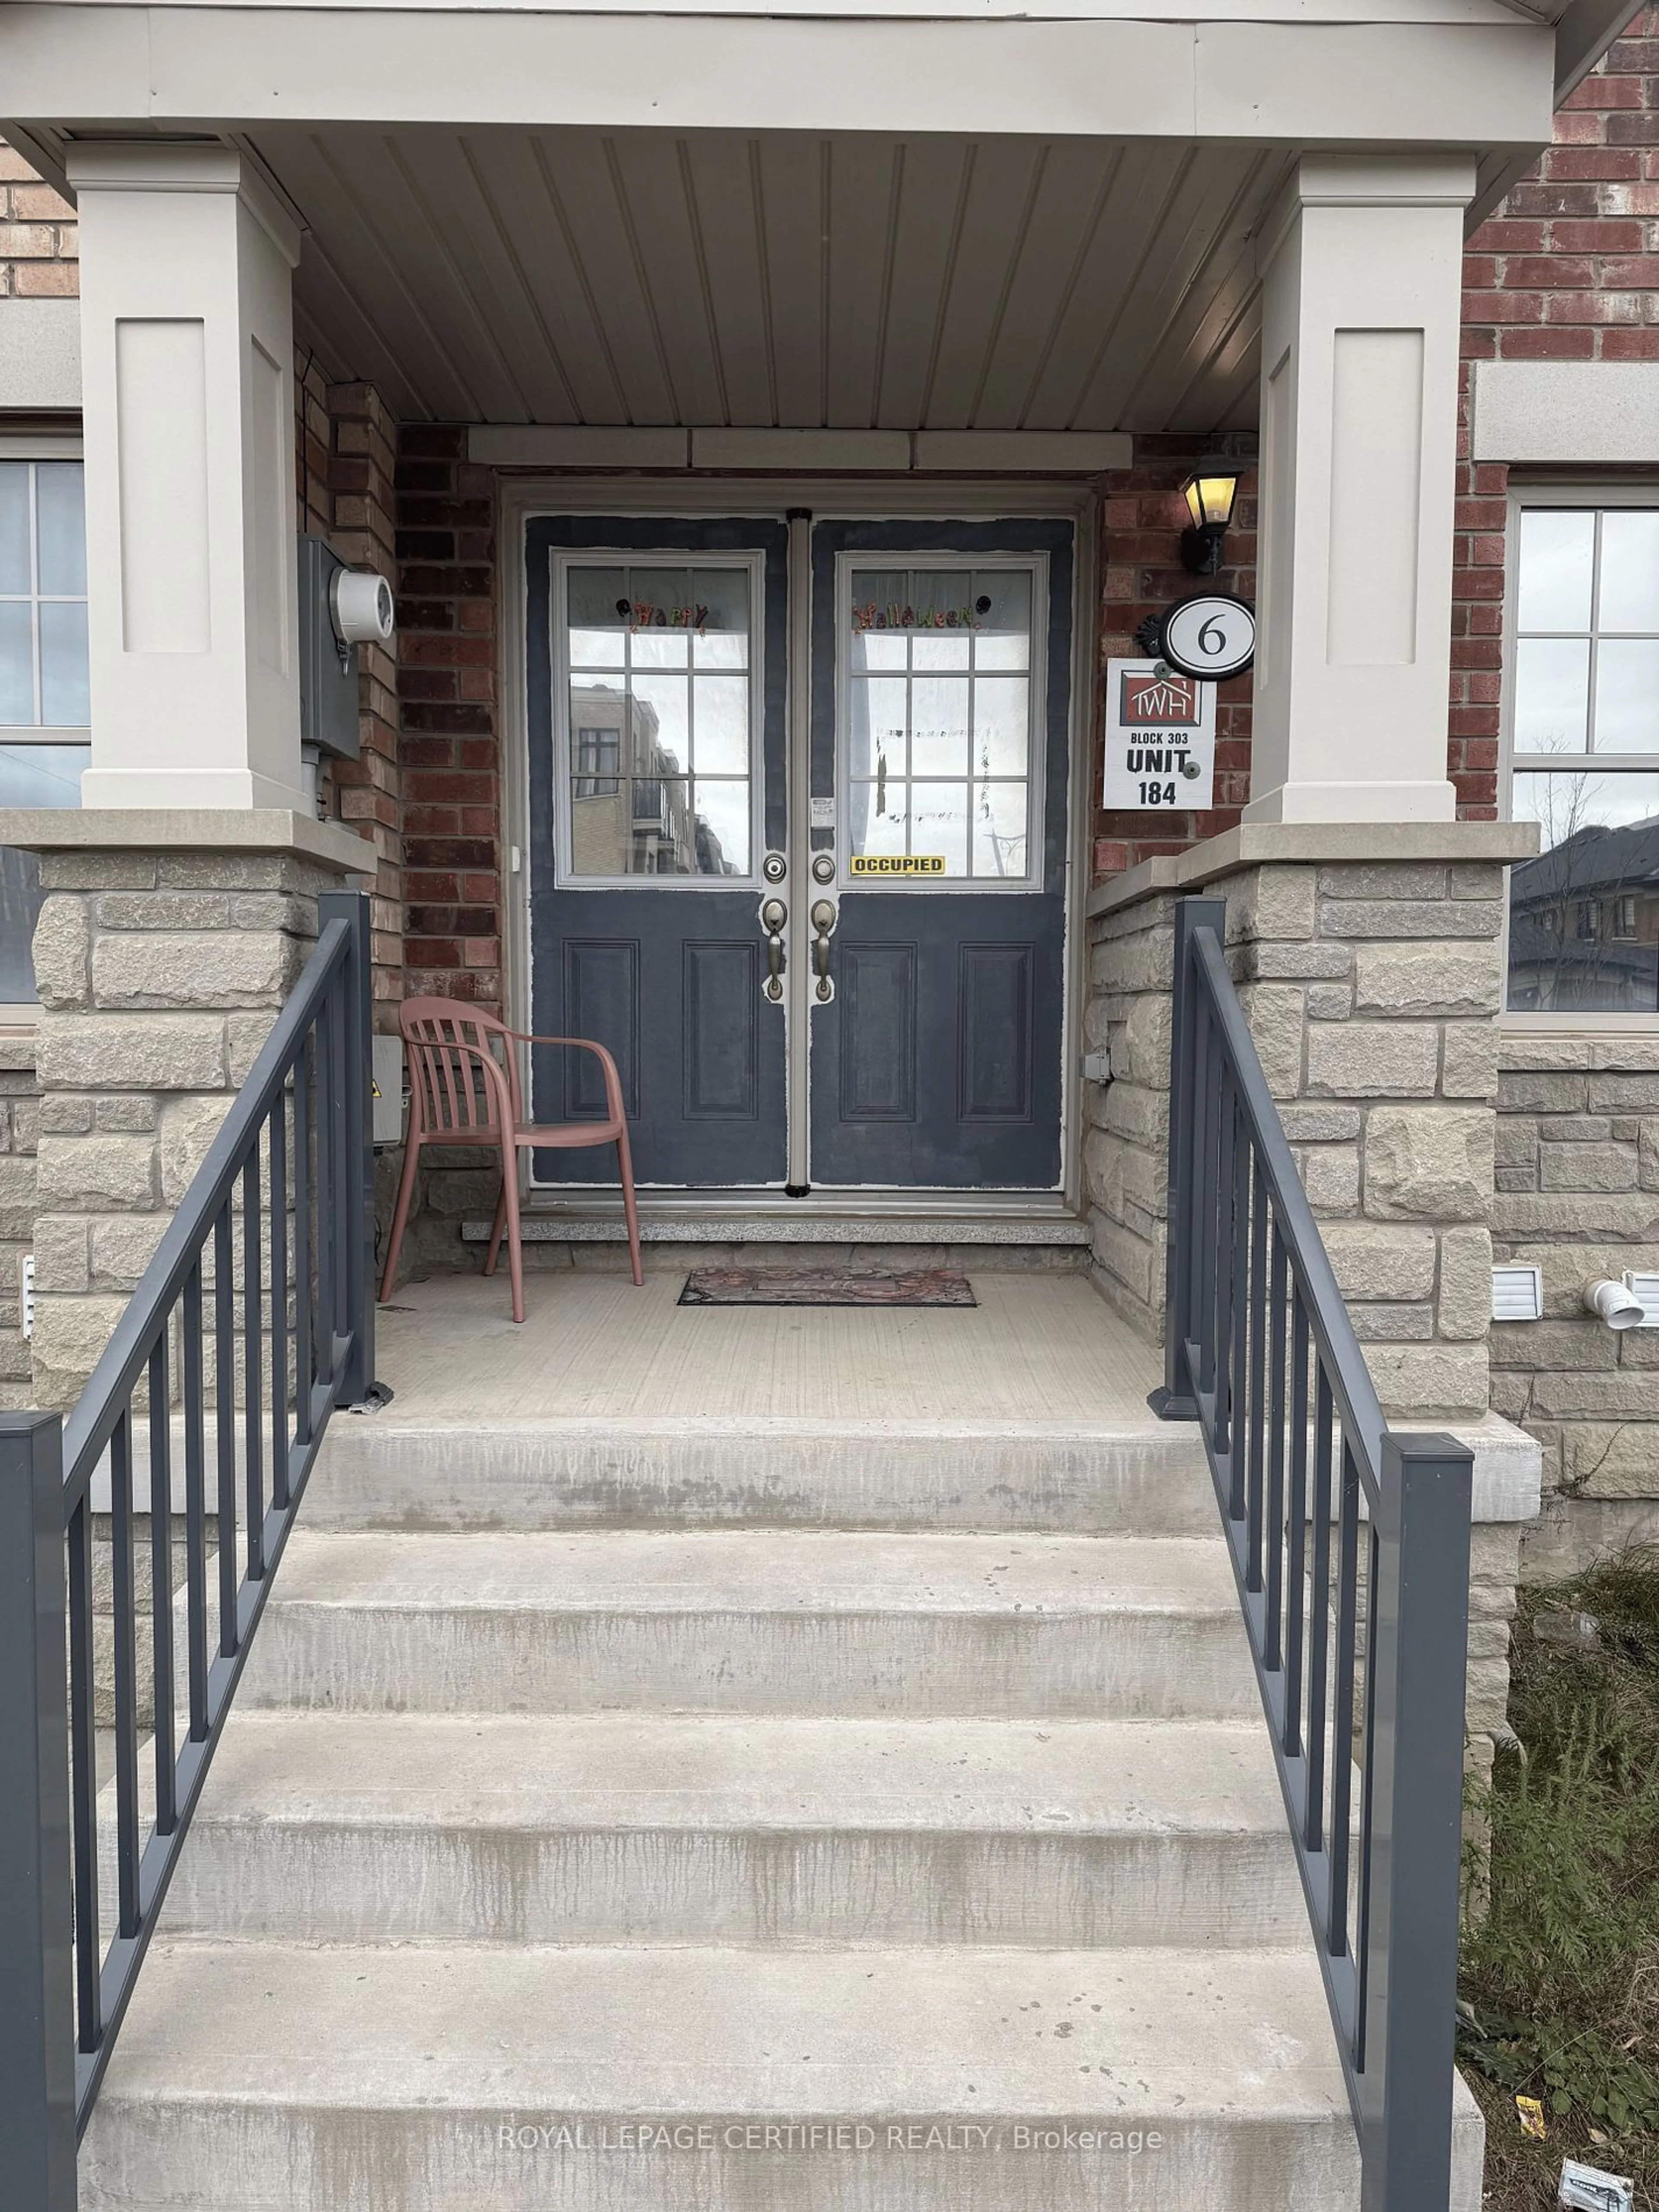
824,1287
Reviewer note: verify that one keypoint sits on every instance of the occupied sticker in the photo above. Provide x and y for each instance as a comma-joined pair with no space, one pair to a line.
896,864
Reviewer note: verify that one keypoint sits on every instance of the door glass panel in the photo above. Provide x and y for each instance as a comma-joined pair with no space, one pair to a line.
937,737
659,753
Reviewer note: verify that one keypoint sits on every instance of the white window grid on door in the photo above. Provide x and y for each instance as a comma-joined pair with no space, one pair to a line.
568,765
1600,501
920,555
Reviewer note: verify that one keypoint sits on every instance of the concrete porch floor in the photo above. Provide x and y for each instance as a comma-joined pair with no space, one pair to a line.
1037,1348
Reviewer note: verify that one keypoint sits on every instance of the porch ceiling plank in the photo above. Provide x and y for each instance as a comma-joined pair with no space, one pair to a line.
1093,304
1226,375
309,171
580,178
864,176
720,177
1195,216
510,166
487,264
931,200
649,169
1160,397
996,223
792,189
329,317
1073,194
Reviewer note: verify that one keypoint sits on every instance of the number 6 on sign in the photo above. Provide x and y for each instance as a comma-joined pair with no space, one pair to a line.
1211,636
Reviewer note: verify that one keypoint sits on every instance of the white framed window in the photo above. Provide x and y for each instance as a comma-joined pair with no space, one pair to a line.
1581,752
44,738
940,716
658,690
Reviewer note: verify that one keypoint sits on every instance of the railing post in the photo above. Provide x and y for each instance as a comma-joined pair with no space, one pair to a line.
356,1146
37,2017
1418,1641
1174,1401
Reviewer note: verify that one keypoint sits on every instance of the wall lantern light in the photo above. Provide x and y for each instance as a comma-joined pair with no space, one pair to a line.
1209,492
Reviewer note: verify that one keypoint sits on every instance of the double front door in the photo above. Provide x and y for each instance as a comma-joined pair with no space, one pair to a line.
798,848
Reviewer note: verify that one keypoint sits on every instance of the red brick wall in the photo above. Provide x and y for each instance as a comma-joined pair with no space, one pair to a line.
1142,516
1566,269
450,753
38,237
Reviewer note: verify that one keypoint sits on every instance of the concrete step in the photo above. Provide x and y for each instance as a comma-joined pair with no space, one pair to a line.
1128,1475
755,1621
627,1827
444,2078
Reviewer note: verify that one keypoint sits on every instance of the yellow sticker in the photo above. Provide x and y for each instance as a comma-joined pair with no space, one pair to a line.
1531,2115
896,864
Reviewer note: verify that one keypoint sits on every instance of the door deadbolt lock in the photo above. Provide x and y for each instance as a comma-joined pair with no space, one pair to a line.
823,922
774,914
823,867
774,867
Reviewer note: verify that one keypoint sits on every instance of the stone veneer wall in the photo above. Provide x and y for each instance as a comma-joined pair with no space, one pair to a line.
160,976
1578,1196
1371,989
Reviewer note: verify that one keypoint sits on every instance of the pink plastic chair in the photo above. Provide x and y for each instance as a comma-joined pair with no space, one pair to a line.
464,1089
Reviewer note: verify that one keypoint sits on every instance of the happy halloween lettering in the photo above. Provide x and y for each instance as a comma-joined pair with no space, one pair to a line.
894,616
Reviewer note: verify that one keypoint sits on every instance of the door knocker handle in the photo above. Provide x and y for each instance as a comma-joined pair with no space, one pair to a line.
774,914
823,921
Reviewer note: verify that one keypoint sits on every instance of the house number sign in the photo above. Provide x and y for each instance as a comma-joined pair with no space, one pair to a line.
1211,636
1160,739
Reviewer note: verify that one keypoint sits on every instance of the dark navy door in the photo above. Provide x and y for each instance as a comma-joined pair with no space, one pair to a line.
657,786
941,703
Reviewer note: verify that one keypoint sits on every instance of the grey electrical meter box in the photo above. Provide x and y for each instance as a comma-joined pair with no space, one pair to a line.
328,668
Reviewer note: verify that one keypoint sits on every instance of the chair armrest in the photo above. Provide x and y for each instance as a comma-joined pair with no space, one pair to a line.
613,1098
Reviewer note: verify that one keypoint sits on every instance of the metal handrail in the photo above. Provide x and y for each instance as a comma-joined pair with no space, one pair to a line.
263,1278
1360,1648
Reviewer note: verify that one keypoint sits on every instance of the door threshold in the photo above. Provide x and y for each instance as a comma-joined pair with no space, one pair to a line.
768,1217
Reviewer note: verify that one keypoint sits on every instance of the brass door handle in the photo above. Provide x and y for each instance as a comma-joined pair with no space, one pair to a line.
774,914
823,921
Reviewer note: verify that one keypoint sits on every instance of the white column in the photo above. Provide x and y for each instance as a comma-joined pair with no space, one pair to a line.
1361,270
187,352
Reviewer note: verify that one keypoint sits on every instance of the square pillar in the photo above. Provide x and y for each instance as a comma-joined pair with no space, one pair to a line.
188,348
1362,272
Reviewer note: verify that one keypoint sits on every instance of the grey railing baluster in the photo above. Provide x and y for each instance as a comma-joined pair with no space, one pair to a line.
1319,1612
1258,1365
224,1407
1262,1355
83,1781
277,1138
124,1630
1295,1515
1274,1652
193,1397
304,1340
1347,1616
253,1364
161,1588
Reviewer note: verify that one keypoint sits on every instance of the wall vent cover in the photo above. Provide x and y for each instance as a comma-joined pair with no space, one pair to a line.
1643,1286
1517,1293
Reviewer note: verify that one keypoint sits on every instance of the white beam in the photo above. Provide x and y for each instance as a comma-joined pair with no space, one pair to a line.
188,348
1362,271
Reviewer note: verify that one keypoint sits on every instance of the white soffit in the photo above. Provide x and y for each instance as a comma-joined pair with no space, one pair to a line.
645,280
1595,413
938,452
40,356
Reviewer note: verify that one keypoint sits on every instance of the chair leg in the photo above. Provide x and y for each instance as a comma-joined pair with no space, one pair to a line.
630,1211
496,1233
400,1217
514,1249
